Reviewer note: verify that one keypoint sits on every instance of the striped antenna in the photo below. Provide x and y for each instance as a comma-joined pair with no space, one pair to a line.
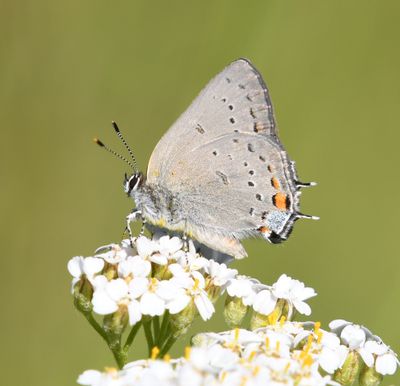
120,136
101,144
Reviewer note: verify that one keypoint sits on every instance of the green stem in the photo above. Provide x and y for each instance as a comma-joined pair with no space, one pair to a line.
149,337
164,330
93,322
156,329
119,355
167,346
132,336
113,342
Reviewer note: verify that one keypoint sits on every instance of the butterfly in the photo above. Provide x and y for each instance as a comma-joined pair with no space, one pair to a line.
220,174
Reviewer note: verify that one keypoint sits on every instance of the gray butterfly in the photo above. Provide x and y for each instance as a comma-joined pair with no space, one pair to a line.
220,173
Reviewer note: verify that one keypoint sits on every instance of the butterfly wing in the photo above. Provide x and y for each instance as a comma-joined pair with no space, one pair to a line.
223,161
235,99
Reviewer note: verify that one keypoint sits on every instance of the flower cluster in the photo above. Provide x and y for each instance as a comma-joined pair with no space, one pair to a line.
358,339
151,276
286,353
136,282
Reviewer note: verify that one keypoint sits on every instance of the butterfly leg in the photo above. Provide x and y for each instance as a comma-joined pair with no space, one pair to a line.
143,226
132,216
185,242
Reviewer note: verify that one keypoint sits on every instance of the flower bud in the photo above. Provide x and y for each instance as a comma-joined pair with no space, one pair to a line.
212,290
348,373
110,271
370,377
234,311
181,322
161,272
259,320
202,340
83,293
116,323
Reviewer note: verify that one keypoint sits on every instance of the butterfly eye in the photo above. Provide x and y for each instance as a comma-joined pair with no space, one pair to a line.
133,181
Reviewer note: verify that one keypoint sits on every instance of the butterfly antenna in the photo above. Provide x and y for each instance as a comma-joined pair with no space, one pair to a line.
101,144
120,136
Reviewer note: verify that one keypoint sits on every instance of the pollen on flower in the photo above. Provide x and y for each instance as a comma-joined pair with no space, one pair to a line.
154,352
188,351
167,358
307,361
256,370
267,343
196,284
273,316
153,284
110,370
223,376
237,332
282,320
319,336
252,356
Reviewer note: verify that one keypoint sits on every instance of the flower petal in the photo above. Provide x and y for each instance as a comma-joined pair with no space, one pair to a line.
92,265
134,312
264,302
151,304
75,266
179,303
103,304
204,305
90,377
117,289
138,286
386,364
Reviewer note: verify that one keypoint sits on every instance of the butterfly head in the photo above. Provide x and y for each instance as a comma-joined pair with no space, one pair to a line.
133,182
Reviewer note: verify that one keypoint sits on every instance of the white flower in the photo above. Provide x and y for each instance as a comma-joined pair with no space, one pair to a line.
134,266
264,302
192,287
338,325
113,253
333,354
108,295
153,294
220,274
385,360
112,377
170,247
353,336
371,348
146,249
295,292
88,266
201,300
186,267
242,287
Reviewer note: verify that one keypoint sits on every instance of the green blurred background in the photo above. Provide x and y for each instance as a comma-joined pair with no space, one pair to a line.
68,68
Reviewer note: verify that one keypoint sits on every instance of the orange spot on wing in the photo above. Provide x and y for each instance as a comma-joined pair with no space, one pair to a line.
275,183
280,200
264,229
